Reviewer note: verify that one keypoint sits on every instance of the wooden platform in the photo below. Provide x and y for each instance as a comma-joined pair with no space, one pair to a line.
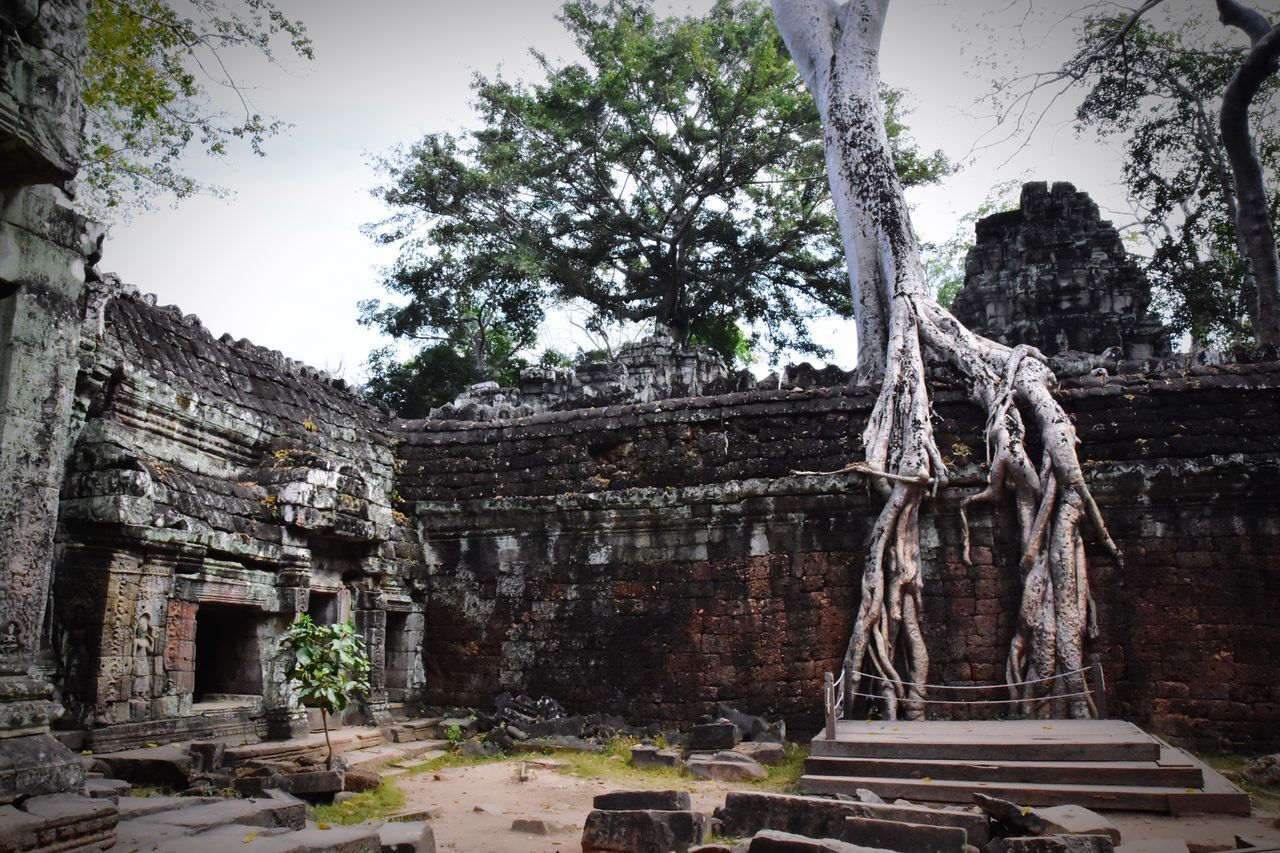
1099,764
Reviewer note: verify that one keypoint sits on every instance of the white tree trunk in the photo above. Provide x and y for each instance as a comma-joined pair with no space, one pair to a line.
835,44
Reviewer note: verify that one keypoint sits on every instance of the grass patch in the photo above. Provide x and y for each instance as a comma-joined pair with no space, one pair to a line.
384,800
615,763
1263,796
784,777
149,791
455,759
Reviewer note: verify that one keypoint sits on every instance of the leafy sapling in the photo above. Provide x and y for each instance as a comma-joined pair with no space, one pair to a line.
329,666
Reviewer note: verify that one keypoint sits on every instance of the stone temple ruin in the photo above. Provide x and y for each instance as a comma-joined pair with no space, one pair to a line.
629,538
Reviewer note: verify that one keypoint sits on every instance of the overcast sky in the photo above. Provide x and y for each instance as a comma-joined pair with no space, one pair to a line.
282,261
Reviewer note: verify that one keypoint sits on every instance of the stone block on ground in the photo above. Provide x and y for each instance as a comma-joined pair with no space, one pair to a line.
643,831
671,801
69,821
467,725
407,837
773,841
753,728
721,734
1053,844
167,766
1047,820
531,826
335,839
904,837
1075,820
359,781
131,807
275,809
313,783
726,766
651,756
1264,770
106,789
745,813
765,752
558,727
17,829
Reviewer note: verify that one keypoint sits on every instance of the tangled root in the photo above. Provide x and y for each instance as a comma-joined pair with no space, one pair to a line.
903,461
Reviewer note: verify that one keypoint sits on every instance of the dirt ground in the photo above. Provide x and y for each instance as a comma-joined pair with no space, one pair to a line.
474,808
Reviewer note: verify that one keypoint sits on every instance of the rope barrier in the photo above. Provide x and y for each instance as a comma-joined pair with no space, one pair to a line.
1038,699
972,687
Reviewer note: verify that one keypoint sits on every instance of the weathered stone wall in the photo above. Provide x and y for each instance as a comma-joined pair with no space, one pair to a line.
213,486
650,560
655,368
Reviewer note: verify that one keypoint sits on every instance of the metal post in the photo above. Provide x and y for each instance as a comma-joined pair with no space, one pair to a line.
829,703
1098,684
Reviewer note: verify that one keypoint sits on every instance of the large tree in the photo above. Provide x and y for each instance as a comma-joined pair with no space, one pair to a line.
836,44
158,79
673,176
1195,114
1159,99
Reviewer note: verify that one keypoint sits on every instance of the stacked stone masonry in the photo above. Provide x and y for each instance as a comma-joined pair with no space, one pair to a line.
215,491
1055,275
649,560
653,559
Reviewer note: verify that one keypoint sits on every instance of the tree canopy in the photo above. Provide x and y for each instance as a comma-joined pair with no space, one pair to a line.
155,73
1160,97
673,175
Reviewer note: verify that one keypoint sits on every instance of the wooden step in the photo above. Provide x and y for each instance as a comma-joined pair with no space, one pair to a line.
986,741
1101,797
1169,772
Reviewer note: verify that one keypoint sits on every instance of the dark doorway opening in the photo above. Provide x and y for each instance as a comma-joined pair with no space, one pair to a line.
403,655
323,608
228,654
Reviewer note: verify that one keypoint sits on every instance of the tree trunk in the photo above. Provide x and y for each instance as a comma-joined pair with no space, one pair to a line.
835,44
1254,229
324,720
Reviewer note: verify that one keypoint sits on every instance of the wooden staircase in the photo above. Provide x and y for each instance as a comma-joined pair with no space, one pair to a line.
1099,764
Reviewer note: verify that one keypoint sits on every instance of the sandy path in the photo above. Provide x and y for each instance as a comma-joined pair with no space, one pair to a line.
476,806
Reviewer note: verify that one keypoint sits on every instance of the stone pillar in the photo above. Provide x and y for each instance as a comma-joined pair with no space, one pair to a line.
370,616
286,718
43,249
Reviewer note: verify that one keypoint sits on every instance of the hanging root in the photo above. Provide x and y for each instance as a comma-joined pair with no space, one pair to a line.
904,464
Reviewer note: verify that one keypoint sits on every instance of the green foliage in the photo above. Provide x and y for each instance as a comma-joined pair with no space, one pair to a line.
431,378
150,73
614,763
327,663
674,177
380,802
728,339
453,734
1159,97
944,262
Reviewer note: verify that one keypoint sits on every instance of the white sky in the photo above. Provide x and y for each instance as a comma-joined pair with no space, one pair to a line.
282,262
